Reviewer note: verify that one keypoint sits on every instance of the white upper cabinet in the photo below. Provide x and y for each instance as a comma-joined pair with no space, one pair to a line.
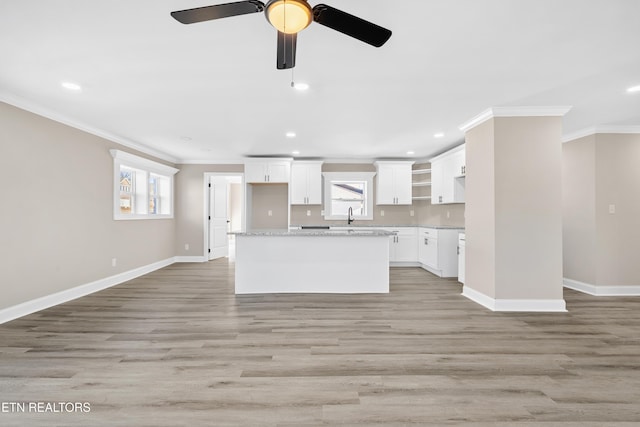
393,182
448,172
267,171
306,183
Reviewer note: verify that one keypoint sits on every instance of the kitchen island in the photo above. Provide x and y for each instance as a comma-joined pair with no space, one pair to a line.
312,261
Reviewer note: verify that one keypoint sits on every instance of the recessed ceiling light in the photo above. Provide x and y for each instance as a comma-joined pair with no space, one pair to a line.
634,89
185,138
71,86
410,153
438,135
300,86
295,153
291,134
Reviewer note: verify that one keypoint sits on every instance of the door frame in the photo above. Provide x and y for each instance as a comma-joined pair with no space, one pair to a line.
205,213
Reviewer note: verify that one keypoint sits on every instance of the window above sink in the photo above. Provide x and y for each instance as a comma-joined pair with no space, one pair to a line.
344,190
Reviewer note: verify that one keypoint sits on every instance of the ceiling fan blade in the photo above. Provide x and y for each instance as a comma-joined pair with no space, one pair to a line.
350,25
207,13
286,50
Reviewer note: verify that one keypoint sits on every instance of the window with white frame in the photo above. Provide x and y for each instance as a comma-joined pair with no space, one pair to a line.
143,189
344,190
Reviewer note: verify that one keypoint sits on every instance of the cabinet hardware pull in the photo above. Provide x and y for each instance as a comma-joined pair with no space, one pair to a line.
458,250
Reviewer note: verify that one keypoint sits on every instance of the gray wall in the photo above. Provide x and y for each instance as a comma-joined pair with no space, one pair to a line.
190,200
578,210
57,221
514,208
265,198
480,252
602,248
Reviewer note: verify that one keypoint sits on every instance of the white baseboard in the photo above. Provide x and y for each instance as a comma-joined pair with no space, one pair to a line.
431,270
404,264
47,301
601,291
545,305
438,273
191,259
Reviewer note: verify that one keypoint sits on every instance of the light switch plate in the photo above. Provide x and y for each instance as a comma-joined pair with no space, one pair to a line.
308,213
612,209
381,213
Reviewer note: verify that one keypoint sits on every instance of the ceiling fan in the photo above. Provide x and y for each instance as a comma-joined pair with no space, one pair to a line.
290,17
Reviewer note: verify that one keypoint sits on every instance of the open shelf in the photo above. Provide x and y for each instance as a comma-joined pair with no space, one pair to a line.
421,184
421,197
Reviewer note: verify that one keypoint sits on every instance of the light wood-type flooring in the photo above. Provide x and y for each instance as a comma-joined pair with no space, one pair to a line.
178,348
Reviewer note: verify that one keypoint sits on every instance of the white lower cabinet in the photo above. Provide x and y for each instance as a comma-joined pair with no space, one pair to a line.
402,245
438,250
434,249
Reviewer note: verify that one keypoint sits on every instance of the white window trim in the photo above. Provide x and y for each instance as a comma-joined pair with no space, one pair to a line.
122,158
347,176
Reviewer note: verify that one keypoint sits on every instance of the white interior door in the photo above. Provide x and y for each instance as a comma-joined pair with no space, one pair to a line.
218,217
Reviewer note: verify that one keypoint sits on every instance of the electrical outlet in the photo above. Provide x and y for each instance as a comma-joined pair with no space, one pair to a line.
321,213
612,209
270,213
308,213
186,246
381,213
448,214
114,262
411,213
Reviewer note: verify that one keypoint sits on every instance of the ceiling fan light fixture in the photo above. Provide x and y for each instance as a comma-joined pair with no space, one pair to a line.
289,16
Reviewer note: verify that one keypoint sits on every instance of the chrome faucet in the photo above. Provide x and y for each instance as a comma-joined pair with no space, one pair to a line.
350,216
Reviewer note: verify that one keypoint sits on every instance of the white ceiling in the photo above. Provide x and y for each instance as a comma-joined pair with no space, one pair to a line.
150,81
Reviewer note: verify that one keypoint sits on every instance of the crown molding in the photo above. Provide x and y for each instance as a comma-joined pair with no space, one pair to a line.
49,114
232,161
514,112
600,130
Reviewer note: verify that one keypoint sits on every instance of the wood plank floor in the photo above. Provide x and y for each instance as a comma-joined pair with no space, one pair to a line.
178,348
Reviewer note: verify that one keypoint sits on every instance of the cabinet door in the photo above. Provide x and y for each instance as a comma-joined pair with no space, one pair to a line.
314,184
406,245
448,165
385,191
278,171
299,184
428,241
402,183
393,183
458,163
437,182
392,248
255,172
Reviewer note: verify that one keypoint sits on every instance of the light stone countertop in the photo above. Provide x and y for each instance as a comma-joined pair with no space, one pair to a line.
443,227
316,233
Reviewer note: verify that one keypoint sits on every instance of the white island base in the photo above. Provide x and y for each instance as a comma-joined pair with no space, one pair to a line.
312,262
